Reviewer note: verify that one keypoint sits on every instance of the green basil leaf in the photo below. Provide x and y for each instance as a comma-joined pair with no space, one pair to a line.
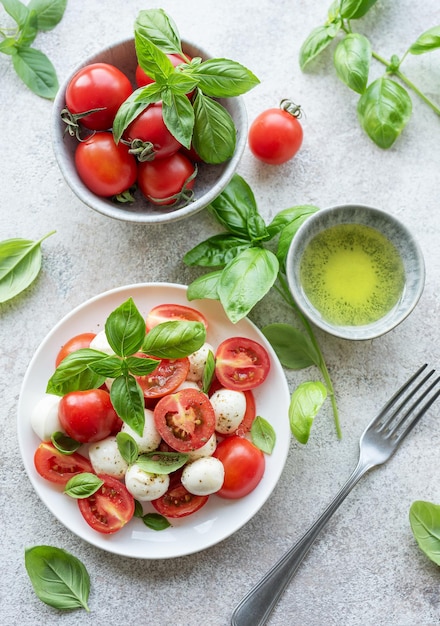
66,445
315,43
174,339
294,214
128,401
178,116
28,31
153,61
125,329
289,232
20,264
7,46
305,404
257,228
181,82
17,10
110,367
217,250
74,373
223,78
263,435
293,348
140,366
208,372
354,9
83,485
205,286
215,135
155,521
127,447
245,280
234,206
424,518
352,61
161,462
49,12
36,71
157,26
333,11
59,579
133,106
384,110
138,510
429,40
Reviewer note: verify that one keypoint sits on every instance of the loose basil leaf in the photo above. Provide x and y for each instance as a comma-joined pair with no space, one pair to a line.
285,217
66,445
74,373
174,339
125,329
215,135
59,579
128,401
28,31
293,348
245,280
316,42
49,12
223,78
384,110
205,286
429,40
127,447
17,10
156,25
155,521
257,228
233,207
161,462
305,404
178,116
352,61
424,518
217,250
354,9
289,232
133,106
138,510
263,435
36,71
140,366
20,263
83,485
110,367
208,372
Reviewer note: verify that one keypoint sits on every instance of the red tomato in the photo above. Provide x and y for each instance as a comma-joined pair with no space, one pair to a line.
97,86
87,416
106,168
169,312
167,376
177,501
276,135
167,181
185,419
150,129
241,363
75,343
143,79
109,508
57,467
244,466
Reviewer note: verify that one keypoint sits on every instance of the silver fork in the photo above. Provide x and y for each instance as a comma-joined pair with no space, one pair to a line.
377,444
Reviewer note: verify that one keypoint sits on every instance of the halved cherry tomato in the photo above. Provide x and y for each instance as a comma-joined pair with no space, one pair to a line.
109,508
241,363
177,501
169,312
57,467
185,419
88,416
167,376
149,130
244,466
75,343
167,181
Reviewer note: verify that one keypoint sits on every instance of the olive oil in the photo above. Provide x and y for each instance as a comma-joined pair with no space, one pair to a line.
352,274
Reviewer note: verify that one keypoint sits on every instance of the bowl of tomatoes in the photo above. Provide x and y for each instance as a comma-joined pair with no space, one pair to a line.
133,167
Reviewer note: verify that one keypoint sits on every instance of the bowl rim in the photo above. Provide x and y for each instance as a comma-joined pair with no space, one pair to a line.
410,297
104,205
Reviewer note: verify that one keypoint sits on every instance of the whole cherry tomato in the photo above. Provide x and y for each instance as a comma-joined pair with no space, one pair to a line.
276,135
167,181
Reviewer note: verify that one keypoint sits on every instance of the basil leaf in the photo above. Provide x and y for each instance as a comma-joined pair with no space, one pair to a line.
354,9
205,286
127,447
257,227
141,366
217,250
263,435
155,521
352,61
128,401
36,71
161,462
20,263
178,116
245,280
59,579
289,232
294,349
214,137
156,25
74,373
223,78
233,207
293,214
133,106
152,60
424,518
316,42
125,329
28,31
83,485
49,12
305,403
138,510
17,10
384,110
66,445
174,339
208,372
429,40
110,367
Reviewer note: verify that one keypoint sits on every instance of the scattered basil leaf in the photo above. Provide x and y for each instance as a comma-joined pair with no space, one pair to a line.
127,447
125,329
315,43
158,462
427,41
208,372
83,485
49,12
128,401
305,404
263,435
352,61
63,443
59,579
74,373
289,231
354,9
155,521
174,339
234,206
424,518
294,215
217,250
205,286
293,348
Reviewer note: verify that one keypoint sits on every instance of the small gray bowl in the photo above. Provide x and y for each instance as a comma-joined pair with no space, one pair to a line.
210,181
394,231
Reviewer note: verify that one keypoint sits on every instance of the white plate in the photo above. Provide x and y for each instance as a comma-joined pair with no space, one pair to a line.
219,518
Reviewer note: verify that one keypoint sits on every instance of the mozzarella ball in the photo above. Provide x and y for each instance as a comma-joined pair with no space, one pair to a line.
203,476
229,408
206,450
150,439
100,342
106,459
44,417
145,486
197,362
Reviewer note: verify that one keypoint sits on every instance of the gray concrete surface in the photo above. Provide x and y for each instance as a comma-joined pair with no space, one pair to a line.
366,568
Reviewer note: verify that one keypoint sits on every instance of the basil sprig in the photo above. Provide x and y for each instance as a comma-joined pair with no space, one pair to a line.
203,122
244,269
384,107
424,518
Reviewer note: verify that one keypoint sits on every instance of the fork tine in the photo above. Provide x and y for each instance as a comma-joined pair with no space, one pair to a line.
409,426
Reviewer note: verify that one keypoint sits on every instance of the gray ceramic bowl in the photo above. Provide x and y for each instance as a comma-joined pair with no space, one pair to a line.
210,181
394,231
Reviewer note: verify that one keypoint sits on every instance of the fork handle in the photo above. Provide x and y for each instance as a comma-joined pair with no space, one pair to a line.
255,608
